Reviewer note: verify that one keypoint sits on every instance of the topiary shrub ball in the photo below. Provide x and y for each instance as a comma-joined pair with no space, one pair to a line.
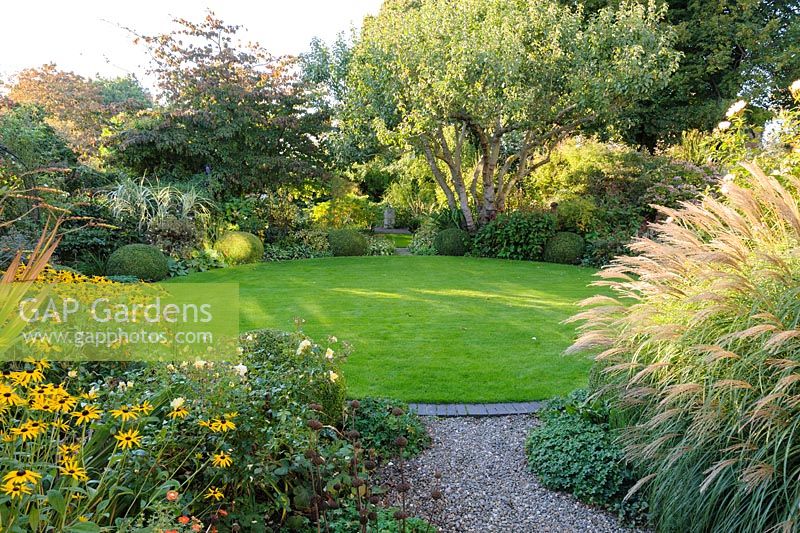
240,248
564,247
452,241
139,260
347,242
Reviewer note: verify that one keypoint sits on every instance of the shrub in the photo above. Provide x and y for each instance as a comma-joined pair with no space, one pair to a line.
349,211
446,218
406,218
380,421
602,249
576,214
278,352
92,234
347,242
422,241
378,245
452,241
270,216
174,236
303,244
702,368
516,235
143,261
564,247
240,248
11,242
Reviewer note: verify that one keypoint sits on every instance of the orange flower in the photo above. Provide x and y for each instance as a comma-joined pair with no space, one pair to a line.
172,495
184,520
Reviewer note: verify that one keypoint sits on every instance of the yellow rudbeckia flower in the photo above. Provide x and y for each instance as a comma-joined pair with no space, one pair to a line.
22,476
72,469
87,414
128,439
221,460
125,413
214,493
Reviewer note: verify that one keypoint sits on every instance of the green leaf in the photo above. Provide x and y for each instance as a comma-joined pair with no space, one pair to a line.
83,527
57,502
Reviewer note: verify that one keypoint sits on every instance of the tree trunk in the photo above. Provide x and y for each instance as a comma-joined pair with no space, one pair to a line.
489,209
437,174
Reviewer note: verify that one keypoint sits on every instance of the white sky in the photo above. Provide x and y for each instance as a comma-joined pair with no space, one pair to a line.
74,34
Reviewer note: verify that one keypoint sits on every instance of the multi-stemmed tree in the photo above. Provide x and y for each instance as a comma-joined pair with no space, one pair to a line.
484,89
227,108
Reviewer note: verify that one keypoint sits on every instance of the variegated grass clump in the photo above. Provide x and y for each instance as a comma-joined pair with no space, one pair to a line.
700,355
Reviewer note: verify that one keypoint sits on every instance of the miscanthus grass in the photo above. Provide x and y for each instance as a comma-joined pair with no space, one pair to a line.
700,355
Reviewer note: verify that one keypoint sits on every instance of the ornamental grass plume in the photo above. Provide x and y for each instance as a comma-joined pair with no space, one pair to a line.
700,356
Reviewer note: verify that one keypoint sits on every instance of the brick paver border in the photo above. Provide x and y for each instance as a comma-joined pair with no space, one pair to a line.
475,409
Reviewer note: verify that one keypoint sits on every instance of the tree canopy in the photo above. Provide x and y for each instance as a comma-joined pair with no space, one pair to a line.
77,107
730,49
230,110
504,79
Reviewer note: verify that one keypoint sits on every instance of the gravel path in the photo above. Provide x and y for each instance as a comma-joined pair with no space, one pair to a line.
486,485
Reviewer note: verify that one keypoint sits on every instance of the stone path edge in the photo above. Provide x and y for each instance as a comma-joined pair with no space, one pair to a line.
475,409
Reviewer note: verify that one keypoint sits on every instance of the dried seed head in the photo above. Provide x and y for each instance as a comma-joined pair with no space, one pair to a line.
315,407
437,475
370,464
396,411
355,404
353,434
315,424
405,486
400,515
373,516
357,482
318,460
401,442
374,500
436,495
310,454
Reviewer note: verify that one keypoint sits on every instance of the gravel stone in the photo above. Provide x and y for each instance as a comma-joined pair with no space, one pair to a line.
486,483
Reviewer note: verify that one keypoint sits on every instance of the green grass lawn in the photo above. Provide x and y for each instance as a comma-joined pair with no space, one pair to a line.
435,329
400,240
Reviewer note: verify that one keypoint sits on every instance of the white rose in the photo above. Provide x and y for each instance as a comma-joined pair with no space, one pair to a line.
177,403
199,363
735,109
329,353
303,346
73,374
240,369
795,88
724,125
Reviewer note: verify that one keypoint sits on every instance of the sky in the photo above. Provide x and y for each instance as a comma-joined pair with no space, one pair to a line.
84,35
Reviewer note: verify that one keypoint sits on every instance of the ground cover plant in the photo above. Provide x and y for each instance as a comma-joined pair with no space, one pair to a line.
427,328
574,449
